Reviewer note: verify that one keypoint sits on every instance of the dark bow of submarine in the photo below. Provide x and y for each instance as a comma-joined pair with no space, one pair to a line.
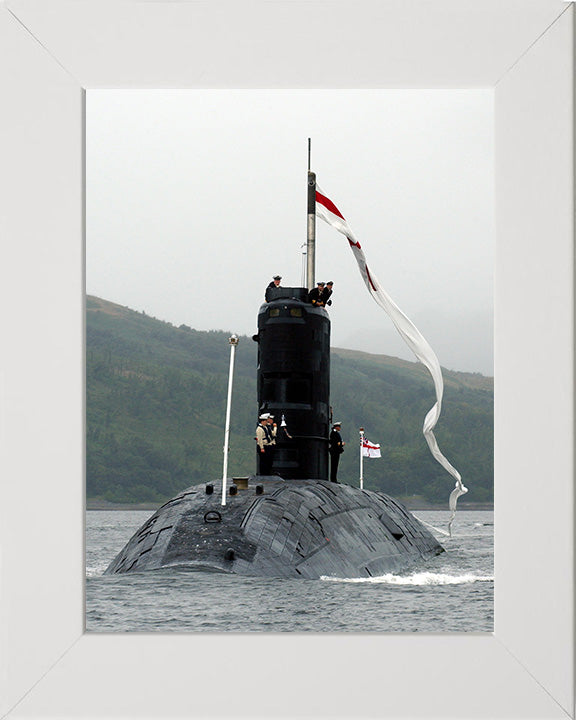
293,523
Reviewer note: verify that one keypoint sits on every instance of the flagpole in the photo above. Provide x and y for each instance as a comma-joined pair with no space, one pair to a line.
361,458
311,237
233,340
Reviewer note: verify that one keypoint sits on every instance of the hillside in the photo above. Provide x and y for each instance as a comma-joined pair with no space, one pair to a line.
156,397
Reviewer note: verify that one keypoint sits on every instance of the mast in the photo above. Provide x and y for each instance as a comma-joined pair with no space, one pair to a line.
233,340
311,240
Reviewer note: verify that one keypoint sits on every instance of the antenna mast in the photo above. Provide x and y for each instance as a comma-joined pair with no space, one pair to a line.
311,239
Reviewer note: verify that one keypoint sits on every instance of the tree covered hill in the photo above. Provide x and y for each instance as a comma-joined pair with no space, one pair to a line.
156,404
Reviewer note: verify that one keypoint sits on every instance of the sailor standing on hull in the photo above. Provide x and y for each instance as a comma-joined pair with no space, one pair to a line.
270,442
260,444
335,448
265,442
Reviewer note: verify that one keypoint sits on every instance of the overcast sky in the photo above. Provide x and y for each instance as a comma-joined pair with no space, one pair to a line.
195,199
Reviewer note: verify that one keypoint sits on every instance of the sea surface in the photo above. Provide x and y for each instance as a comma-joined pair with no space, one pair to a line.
453,592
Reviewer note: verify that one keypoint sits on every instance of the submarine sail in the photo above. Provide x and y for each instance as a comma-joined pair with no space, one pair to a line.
293,381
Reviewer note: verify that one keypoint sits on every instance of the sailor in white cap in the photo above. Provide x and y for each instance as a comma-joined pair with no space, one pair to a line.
265,441
335,448
315,295
271,428
274,284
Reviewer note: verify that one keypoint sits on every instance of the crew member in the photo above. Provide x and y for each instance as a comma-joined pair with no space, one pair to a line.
335,448
262,445
315,295
326,293
275,283
270,443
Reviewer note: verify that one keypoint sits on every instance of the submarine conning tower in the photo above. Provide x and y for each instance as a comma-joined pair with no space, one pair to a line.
293,381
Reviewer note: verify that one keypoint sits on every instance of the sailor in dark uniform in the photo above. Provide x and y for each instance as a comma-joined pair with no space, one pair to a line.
335,448
275,283
315,295
326,293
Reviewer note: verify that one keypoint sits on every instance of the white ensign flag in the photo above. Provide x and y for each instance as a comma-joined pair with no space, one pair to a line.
370,450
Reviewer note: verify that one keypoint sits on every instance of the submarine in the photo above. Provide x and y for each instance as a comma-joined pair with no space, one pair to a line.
292,521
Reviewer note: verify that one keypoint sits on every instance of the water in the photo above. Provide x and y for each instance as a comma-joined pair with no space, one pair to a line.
453,592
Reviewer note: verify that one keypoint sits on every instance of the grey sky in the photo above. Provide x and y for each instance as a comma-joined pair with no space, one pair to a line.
196,198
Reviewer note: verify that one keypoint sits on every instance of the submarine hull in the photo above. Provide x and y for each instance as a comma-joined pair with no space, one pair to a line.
280,528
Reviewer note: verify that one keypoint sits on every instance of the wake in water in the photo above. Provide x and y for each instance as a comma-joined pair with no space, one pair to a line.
460,579
95,571
423,578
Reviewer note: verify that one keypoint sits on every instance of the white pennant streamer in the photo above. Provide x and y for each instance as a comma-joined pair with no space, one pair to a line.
327,211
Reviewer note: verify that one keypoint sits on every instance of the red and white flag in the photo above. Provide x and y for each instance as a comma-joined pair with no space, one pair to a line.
370,450
327,211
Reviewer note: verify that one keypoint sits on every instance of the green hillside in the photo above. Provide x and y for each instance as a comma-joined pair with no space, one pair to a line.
156,403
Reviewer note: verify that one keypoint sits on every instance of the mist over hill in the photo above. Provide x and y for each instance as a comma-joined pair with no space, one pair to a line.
156,403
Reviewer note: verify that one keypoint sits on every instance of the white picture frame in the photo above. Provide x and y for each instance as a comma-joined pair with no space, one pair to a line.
55,50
